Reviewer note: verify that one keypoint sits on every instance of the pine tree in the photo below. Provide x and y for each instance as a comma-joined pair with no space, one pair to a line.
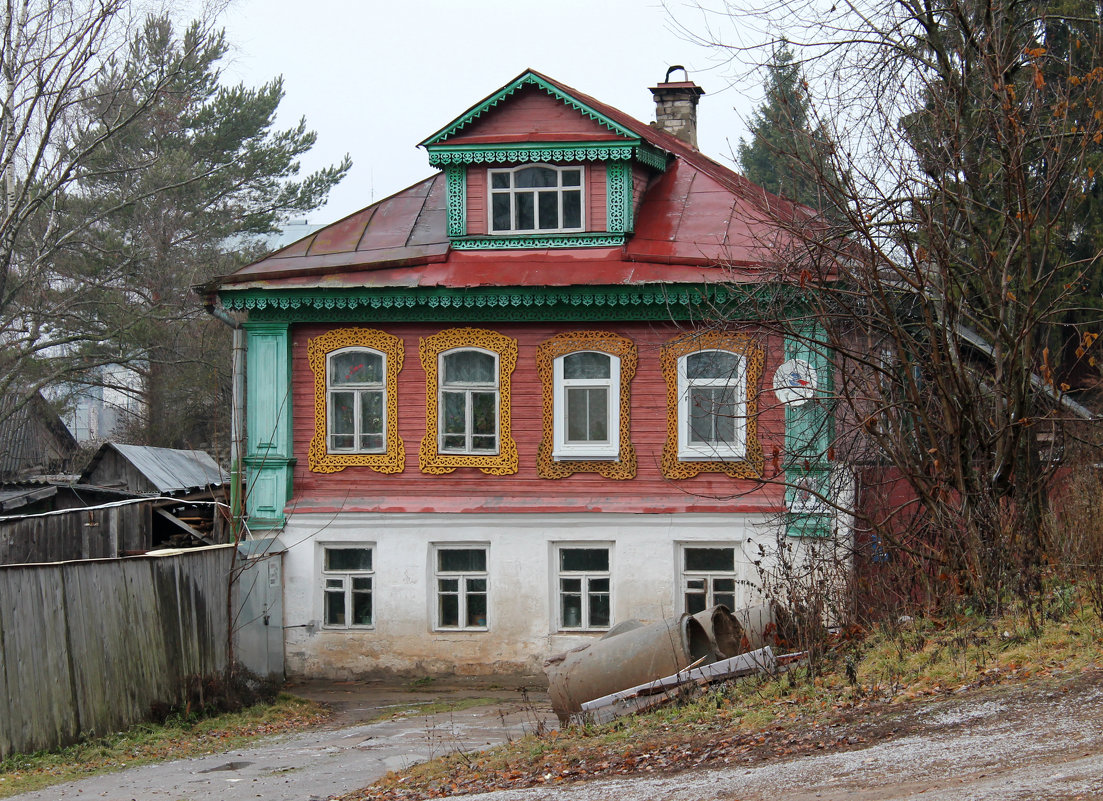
187,186
787,155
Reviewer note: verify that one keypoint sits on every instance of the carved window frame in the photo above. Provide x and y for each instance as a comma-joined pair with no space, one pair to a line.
430,458
624,465
747,464
319,458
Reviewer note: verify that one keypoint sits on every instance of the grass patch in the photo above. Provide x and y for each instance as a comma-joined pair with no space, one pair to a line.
796,712
143,744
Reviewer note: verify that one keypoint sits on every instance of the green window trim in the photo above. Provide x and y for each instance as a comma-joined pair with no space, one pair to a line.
618,180
457,200
540,242
454,155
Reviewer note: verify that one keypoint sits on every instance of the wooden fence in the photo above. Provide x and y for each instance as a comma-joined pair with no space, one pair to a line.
89,647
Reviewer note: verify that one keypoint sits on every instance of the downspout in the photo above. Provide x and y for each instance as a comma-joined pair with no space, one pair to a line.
237,404
237,383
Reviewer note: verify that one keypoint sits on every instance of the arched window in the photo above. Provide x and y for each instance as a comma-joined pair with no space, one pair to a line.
536,198
468,401
356,401
712,417
586,421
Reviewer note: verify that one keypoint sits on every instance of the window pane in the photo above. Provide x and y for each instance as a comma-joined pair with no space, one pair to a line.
584,559
712,364
723,585
455,442
335,583
361,608
469,367
371,412
599,585
701,419
549,210
499,180
571,177
695,602
499,210
476,609
727,599
586,364
572,209
449,585
526,211
710,558
570,610
484,412
335,608
450,611
570,585
356,367
535,176
476,585
341,419
348,558
455,413
371,442
462,560
484,443
725,412
599,611
587,414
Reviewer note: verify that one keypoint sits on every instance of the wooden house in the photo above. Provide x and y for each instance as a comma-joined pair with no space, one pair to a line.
489,417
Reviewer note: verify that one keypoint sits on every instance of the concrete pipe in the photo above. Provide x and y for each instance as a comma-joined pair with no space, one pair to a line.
635,656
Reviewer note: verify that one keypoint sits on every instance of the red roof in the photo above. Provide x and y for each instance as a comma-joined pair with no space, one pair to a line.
695,219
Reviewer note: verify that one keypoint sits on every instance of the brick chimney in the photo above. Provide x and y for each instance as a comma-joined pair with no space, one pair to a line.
676,106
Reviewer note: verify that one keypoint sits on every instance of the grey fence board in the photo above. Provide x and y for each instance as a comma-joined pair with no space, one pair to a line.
89,647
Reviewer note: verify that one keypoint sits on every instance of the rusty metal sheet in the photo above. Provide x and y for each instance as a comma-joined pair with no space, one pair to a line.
343,235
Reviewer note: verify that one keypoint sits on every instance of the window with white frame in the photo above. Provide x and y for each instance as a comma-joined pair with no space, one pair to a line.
347,576
356,401
586,405
712,420
468,417
583,579
708,577
536,199
461,579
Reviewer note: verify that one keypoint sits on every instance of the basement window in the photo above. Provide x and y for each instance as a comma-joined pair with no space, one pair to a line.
347,576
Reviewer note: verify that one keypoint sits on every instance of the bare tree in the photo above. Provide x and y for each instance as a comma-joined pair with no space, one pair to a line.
966,168
50,58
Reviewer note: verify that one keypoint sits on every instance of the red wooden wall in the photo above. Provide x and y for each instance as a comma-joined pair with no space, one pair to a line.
468,489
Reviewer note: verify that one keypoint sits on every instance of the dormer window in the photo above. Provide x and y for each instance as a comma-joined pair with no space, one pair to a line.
536,198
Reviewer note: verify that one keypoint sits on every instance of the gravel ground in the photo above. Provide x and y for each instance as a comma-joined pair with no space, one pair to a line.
1002,743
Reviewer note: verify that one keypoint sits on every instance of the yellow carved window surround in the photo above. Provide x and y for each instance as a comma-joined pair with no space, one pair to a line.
391,456
683,458
461,435
623,351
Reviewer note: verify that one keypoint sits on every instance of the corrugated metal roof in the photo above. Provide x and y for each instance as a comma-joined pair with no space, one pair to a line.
168,469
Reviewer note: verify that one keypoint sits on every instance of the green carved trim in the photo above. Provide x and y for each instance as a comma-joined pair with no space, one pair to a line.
545,241
651,157
809,434
647,302
533,151
457,200
447,155
527,79
618,179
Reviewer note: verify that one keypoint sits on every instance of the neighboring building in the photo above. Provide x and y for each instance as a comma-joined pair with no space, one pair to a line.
130,499
487,417
34,442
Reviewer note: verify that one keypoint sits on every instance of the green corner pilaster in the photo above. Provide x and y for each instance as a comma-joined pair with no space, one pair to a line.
809,433
268,454
456,174
618,179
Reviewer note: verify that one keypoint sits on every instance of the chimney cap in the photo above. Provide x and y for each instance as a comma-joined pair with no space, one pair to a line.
686,83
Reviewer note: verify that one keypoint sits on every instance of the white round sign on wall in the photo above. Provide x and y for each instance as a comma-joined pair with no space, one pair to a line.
795,382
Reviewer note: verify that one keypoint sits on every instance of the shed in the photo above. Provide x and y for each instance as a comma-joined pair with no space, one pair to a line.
148,470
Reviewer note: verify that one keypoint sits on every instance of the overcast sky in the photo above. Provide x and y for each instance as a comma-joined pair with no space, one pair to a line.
375,77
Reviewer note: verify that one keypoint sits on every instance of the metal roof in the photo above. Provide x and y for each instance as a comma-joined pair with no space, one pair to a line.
697,213
168,469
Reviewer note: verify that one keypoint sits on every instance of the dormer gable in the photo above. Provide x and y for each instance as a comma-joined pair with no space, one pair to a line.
539,165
